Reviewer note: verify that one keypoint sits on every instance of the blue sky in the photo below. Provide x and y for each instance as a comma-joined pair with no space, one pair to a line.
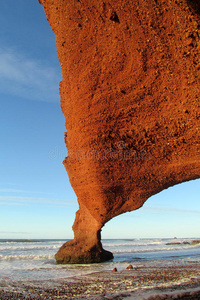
36,199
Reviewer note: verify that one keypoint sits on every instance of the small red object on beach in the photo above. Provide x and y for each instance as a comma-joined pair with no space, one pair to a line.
114,270
130,267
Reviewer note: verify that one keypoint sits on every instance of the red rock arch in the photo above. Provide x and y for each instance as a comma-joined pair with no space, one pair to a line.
130,96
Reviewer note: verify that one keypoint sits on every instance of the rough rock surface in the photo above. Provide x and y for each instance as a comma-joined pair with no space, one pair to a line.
130,95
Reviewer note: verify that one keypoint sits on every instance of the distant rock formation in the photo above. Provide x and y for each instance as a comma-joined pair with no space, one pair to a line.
195,242
178,243
130,96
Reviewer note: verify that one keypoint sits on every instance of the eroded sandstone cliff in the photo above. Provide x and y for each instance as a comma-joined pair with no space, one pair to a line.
130,95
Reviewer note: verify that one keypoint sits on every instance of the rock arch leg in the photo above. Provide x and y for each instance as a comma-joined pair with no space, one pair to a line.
86,246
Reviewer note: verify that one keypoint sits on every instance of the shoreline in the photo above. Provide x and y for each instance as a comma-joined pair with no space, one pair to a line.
174,279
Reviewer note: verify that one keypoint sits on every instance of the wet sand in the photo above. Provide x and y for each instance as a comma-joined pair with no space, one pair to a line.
164,280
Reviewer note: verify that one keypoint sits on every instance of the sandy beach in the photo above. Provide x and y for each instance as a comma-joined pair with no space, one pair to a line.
172,279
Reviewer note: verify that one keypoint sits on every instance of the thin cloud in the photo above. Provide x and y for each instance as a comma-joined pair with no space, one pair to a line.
24,77
14,232
171,209
18,191
13,191
9,200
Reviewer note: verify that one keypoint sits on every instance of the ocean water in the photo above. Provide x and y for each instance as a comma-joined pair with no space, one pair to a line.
30,260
